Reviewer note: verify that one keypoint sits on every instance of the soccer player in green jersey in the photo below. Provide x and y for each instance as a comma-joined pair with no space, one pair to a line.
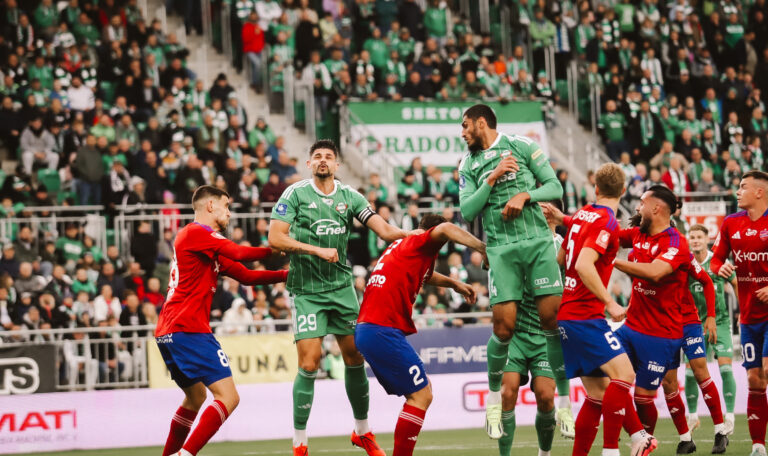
312,221
527,353
498,178
698,236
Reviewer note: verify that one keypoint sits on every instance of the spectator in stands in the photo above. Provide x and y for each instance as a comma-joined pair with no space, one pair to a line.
108,277
154,294
144,247
59,285
236,319
134,280
132,315
37,147
106,304
89,172
28,281
9,264
57,317
253,45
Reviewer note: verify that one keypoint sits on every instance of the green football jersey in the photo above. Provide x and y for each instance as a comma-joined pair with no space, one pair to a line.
534,168
528,320
697,291
324,221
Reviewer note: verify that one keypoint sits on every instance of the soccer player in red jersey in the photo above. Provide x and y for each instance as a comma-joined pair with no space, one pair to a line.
745,236
183,334
653,331
385,318
591,350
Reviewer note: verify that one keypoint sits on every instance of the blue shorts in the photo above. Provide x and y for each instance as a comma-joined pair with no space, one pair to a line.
754,344
193,357
651,356
587,345
392,359
693,341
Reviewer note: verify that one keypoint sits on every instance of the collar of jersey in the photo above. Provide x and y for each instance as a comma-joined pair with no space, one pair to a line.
600,206
496,141
319,192
207,228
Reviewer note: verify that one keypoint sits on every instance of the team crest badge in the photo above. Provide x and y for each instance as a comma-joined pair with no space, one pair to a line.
281,208
490,154
341,207
764,235
328,201
506,153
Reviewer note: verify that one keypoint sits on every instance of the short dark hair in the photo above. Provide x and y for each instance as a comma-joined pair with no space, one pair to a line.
431,220
756,174
663,193
207,191
480,110
699,227
324,144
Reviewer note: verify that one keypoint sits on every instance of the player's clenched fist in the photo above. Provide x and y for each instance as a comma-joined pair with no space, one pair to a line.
330,255
467,291
514,206
726,270
616,312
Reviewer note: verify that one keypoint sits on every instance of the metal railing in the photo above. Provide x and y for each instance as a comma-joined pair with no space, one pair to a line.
93,226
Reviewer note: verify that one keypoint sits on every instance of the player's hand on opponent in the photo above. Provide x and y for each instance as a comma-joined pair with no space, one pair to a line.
514,206
616,312
414,232
726,270
710,329
507,164
553,214
467,291
762,294
330,255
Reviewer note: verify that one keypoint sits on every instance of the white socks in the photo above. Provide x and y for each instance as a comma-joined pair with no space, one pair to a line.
361,427
611,452
720,428
299,437
543,453
685,437
184,452
493,398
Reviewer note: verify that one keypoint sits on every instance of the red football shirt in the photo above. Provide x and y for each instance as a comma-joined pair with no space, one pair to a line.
656,308
748,242
690,311
396,280
194,275
594,227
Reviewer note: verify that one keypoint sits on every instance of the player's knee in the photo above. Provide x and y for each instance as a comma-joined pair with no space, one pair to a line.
508,397
309,363
545,399
502,331
195,401
234,401
756,378
670,385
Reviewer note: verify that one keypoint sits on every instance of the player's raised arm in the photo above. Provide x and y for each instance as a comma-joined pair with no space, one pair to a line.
464,289
585,267
383,229
280,239
449,232
550,188
653,271
250,277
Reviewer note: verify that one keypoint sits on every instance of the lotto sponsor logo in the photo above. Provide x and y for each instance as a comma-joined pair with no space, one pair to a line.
326,227
376,280
570,283
587,216
644,291
740,256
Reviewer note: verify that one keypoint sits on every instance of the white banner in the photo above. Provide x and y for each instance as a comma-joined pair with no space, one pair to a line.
133,418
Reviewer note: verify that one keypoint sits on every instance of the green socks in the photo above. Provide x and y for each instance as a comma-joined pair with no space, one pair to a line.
545,429
556,362
497,359
729,387
356,384
303,392
691,391
508,423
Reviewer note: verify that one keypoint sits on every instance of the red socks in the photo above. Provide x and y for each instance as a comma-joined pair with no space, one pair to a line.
180,425
677,410
646,411
587,422
407,430
632,422
712,399
614,412
757,415
213,417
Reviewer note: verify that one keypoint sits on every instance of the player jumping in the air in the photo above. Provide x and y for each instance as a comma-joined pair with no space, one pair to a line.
745,235
312,222
695,351
193,356
592,351
653,331
498,178
385,318
698,236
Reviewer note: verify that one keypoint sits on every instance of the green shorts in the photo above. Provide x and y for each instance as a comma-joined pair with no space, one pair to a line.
530,263
724,346
528,353
319,314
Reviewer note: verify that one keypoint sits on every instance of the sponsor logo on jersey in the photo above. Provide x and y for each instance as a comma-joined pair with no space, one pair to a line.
341,207
737,235
328,201
698,351
602,239
536,154
541,281
740,256
750,232
693,341
587,216
653,366
281,209
376,280
621,412
312,205
328,227
490,154
764,235
655,382
639,288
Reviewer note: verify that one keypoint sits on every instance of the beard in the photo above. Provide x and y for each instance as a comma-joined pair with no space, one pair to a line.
645,225
323,175
223,224
474,145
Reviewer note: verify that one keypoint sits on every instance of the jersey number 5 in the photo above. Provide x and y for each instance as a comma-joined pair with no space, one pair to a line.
569,246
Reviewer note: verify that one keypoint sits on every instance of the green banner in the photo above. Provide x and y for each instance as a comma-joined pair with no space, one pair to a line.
438,112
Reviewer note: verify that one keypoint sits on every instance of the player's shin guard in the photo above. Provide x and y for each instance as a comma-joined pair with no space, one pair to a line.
677,411
587,422
712,399
691,391
356,384
545,429
509,423
180,426
646,411
729,387
407,430
757,415
556,362
210,422
497,359
614,411
303,394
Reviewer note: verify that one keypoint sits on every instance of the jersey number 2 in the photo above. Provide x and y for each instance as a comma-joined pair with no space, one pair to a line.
416,372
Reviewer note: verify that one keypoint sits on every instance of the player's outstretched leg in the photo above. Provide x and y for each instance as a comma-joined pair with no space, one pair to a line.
504,316
692,399
184,418
225,400
309,351
410,421
677,411
729,393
